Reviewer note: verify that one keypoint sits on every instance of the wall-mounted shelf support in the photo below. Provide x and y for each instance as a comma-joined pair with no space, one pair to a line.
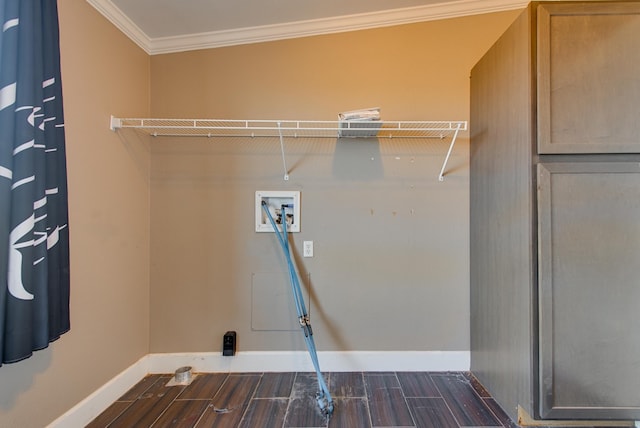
296,129
115,123
446,159
284,162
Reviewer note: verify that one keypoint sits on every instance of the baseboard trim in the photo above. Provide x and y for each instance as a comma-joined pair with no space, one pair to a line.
298,361
294,361
94,404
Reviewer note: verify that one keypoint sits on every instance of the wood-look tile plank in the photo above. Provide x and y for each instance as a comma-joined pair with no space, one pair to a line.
417,384
109,414
236,391
465,404
431,413
387,405
346,384
350,412
141,387
305,383
304,412
265,413
149,406
275,385
203,386
375,381
214,417
388,408
182,414
230,402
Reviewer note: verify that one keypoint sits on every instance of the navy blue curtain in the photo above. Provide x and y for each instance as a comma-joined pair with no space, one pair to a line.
34,231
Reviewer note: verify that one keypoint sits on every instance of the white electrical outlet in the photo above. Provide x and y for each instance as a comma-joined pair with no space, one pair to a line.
307,248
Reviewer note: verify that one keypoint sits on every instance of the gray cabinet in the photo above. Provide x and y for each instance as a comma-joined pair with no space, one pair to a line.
555,213
588,81
589,288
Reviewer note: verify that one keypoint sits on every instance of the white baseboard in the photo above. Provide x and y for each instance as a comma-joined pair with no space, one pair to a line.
294,361
299,361
86,410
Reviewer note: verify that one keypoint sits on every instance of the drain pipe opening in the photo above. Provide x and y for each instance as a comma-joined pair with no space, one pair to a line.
182,376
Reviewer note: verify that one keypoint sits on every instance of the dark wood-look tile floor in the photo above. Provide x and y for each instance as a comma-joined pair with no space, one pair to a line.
269,400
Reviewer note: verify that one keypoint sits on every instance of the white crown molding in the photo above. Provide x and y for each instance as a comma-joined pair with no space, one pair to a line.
122,22
215,39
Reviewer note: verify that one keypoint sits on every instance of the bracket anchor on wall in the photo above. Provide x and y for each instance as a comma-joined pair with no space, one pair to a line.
284,162
446,159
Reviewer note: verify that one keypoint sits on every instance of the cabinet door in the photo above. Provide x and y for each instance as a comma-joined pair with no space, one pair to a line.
588,59
589,290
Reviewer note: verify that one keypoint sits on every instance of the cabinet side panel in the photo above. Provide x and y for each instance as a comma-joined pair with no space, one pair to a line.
501,218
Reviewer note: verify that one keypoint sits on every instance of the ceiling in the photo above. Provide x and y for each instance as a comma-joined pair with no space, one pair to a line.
163,26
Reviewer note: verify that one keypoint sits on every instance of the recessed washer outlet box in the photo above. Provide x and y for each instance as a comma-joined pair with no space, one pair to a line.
275,200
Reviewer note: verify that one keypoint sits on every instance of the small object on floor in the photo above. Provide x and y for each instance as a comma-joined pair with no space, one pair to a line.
182,376
225,410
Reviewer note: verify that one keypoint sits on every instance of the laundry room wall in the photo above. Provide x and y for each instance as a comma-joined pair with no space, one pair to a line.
390,270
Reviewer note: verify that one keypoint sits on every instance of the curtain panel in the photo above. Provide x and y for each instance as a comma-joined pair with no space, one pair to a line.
34,231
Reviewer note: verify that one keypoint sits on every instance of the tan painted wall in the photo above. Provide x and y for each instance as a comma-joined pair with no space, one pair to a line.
103,73
391,262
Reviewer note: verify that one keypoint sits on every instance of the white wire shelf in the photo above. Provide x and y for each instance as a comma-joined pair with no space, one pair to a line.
289,128
294,129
